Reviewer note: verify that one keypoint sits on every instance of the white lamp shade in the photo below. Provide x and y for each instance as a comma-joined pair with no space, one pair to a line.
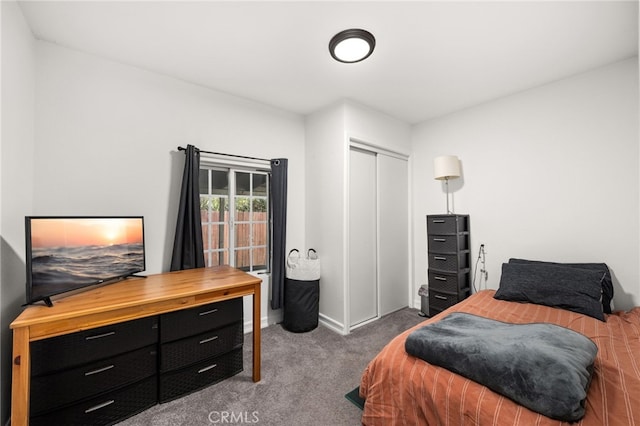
446,167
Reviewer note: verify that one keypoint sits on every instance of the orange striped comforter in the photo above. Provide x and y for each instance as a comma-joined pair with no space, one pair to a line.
404,390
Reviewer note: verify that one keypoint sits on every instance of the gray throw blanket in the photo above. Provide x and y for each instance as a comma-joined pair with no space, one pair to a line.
544,367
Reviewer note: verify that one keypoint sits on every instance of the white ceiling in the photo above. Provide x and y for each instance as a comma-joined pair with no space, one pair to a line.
431,57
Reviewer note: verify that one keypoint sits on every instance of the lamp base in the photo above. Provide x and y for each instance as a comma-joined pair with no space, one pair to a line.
446,184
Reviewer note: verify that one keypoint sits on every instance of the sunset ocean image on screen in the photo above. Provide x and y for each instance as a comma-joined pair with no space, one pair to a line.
73,252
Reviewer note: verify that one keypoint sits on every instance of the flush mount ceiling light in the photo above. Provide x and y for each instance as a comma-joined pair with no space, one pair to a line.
353,45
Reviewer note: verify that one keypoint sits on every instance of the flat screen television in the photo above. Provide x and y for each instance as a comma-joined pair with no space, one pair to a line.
68,253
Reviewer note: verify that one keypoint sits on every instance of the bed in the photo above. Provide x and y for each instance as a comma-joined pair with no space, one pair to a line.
400,389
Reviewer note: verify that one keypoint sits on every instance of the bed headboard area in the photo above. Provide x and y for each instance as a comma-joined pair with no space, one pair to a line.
585,288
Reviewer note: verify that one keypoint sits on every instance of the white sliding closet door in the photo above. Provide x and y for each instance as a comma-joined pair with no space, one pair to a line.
393,251
363,294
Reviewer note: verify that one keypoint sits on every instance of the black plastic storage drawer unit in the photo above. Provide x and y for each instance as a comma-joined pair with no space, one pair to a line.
75,377
449,261
199,346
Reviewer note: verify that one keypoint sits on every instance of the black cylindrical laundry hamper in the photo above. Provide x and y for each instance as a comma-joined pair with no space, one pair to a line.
301,292
301,305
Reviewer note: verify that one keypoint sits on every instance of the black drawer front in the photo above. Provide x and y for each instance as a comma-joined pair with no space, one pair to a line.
447,224
189,322
106,409
55,390
181,382
447,243
448,281
83,347
441,301
181,353
449,262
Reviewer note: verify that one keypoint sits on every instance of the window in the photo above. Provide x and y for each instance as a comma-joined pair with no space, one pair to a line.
234,208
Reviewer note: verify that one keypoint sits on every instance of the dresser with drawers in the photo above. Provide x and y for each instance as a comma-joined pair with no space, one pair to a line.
449,261
100,356
103,375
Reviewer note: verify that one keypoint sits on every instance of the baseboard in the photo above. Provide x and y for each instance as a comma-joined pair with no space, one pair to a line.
332,324
248,325
363,323
417,303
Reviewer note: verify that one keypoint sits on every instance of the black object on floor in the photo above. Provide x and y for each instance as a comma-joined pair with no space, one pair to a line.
354,397
301,305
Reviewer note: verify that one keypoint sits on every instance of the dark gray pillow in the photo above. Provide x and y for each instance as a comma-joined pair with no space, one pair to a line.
607,282
558,286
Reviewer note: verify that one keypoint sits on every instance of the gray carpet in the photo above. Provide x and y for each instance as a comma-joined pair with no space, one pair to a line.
304,380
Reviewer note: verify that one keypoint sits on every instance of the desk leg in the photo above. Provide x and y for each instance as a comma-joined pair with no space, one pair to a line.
256,333
20,370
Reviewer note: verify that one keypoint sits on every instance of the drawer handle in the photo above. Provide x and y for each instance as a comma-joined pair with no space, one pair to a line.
210,339
212,311
99,370
437,296
438,220
439,258
202,370
99,406
100,336
440,240
440,278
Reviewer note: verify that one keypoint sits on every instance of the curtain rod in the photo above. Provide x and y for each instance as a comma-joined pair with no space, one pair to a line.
180,148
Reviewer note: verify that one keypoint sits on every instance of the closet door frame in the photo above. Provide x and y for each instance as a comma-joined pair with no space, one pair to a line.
378,150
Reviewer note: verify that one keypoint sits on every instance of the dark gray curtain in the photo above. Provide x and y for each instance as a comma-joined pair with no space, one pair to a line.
188,252
279,226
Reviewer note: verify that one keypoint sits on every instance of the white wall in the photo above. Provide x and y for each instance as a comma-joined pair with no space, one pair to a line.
327,139
107,138
377,129
325,177
16,175
550,174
